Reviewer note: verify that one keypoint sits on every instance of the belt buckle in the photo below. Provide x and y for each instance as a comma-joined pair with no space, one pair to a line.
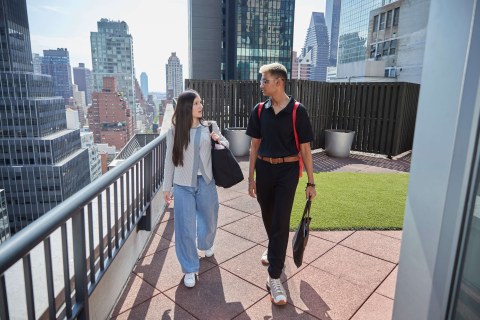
271,160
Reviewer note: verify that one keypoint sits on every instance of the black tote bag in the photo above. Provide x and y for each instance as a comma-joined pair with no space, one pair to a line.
300,238
226,170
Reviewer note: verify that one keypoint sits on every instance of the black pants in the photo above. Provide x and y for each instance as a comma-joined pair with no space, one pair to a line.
276,185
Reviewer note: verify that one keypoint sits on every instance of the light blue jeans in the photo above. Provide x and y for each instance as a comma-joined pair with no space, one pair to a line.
196,216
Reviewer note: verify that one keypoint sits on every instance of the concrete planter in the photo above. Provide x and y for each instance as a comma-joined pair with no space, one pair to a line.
338,142
239,141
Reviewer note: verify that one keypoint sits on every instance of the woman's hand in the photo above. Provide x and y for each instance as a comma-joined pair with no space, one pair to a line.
166,197
214,136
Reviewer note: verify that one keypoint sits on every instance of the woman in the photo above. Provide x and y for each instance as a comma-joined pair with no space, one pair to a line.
188,168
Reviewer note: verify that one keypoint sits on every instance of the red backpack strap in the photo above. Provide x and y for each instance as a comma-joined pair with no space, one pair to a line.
259,110
297,143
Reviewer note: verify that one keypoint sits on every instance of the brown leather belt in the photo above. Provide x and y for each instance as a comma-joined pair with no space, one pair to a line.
279,160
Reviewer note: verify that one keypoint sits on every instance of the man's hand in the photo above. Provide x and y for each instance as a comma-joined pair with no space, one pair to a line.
252,188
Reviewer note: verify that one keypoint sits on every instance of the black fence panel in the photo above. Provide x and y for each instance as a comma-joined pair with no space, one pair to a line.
382,114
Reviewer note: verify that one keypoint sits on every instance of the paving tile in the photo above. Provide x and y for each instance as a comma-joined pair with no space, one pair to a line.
354,266
244,203
324,295
166,230
397,234
159,307
167,215
248,266
217,295
162,269
228,215
224,249
377,307
333,236
157,243
264,309
374,244
250,228
315,248
351,168
241,187
387,288
227,194
135,292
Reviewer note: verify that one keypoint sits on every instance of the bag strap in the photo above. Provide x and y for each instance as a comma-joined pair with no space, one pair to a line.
306,211
294,119
295,134
211,140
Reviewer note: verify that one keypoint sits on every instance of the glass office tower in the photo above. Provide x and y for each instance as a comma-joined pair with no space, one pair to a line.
354,19
316,48
231,39
56,63
257,33
112,56
41,161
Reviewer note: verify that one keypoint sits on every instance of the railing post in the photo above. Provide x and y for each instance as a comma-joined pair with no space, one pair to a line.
145,222
80,263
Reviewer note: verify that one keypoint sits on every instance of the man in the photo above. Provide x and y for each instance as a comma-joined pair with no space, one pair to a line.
274,158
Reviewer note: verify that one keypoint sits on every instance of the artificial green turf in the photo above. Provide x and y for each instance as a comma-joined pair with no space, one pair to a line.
353,201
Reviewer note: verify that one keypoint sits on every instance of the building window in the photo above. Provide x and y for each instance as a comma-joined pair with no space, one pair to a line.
375,23
386,46
382,21
389,19
393,46
372,51
396,14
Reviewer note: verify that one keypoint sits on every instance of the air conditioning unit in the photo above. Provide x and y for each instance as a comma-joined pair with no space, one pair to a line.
391,72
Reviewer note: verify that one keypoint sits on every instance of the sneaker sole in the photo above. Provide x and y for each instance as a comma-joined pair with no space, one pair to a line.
279,303
265,263
193,285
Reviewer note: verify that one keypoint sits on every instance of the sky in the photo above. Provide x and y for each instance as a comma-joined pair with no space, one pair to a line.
158,28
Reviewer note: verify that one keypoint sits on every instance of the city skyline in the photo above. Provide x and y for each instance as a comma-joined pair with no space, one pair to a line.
72,28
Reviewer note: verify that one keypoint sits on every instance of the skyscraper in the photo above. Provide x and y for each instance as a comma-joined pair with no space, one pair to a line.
82,77
112,56
37,63
109,118
57,64
231,39
144,84
353,30
382,40
315,50
41,162
174,75
332,20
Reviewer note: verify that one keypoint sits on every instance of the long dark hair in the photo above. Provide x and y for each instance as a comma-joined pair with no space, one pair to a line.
182,121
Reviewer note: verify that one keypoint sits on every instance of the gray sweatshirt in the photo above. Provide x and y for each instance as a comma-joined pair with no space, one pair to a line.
199,147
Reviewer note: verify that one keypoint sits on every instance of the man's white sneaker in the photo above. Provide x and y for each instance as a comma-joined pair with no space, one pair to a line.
264,258
209,252
189,280
278,295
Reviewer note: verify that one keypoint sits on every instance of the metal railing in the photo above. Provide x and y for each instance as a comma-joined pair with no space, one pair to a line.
89,229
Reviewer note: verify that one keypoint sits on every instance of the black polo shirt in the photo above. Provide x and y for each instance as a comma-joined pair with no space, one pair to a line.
276,130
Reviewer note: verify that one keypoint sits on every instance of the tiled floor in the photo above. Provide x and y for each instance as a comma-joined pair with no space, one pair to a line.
345,275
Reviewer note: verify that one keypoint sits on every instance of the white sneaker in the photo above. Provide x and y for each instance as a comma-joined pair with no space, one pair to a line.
278,296
209,252
189,280
264,258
